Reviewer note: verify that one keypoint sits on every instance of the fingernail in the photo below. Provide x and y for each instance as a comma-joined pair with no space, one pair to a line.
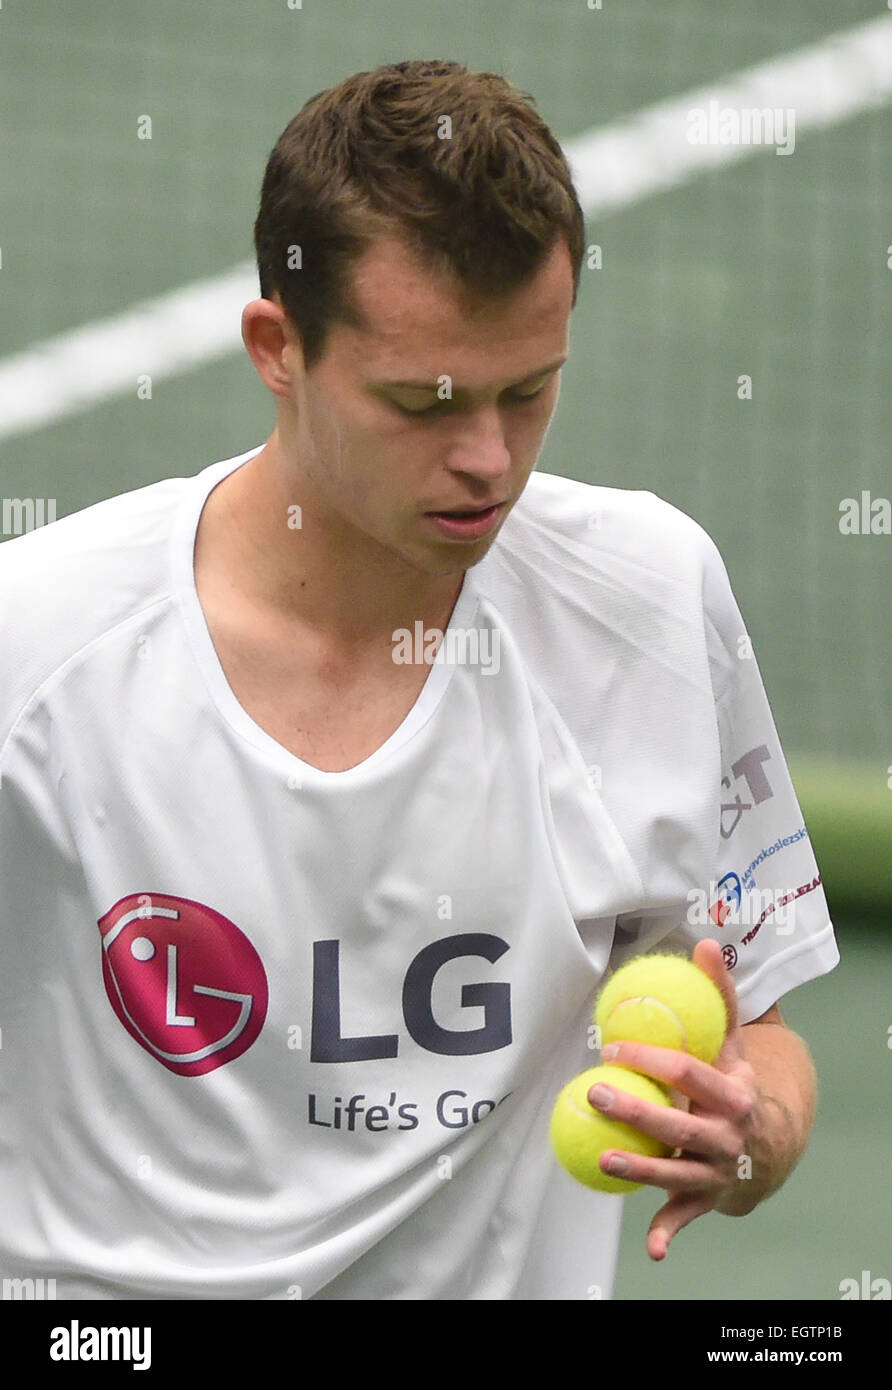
611,1050
616,1165
601,1097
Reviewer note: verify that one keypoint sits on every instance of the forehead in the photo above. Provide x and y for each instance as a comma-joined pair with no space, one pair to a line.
415,316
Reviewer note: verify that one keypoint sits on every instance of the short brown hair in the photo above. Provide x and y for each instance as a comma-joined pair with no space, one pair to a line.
366,158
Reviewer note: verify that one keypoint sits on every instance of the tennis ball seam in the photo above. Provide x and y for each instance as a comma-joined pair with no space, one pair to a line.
698,1015
660,1004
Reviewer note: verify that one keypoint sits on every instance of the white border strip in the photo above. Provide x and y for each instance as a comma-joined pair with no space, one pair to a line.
623,163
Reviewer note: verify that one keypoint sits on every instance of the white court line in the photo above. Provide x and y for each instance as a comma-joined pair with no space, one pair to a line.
613,167
823,84
164,336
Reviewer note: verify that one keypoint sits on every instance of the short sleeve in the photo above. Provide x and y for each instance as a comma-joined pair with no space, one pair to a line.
764,901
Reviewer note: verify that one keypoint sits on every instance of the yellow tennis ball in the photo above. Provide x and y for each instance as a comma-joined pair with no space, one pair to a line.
664,1000
580,1134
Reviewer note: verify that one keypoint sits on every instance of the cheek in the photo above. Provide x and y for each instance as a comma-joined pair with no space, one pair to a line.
368,473
526,435
541,425
338,451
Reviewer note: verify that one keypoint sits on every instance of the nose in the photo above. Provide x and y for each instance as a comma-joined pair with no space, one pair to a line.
479,446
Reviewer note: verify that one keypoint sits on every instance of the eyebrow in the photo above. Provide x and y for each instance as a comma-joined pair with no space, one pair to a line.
434,386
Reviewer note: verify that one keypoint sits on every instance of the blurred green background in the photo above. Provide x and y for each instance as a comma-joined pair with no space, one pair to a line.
773,267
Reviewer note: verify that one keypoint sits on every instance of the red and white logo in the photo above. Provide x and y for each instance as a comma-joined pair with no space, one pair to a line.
185,982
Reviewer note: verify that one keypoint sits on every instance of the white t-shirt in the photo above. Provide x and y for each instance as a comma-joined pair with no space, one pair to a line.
270,1032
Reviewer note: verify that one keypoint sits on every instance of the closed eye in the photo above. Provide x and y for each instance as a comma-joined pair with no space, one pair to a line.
525,395
440,406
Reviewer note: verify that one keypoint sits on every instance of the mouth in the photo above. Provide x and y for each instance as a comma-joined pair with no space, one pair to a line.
467,523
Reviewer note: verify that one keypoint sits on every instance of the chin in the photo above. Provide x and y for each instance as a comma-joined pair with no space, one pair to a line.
470,556
444,558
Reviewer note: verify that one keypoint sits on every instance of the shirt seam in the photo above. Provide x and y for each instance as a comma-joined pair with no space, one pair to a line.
61,672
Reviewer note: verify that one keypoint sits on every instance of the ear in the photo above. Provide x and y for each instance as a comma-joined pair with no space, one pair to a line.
272,345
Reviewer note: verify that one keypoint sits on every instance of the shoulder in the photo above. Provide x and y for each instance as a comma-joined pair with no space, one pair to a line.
65,584
578,568
603,536
626,522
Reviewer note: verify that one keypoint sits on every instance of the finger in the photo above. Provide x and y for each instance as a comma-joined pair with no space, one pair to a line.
708,956
683,1174
711,1135
672,1218
729,1093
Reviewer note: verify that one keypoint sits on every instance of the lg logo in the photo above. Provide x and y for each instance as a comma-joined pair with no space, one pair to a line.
185,982
191,989
329,1044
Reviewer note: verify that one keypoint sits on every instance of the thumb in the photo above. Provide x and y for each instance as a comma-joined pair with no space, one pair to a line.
709,958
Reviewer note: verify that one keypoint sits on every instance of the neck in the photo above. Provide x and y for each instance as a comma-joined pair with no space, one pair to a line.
323,573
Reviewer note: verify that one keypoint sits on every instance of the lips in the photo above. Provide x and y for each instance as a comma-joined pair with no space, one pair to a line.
467,524
466,511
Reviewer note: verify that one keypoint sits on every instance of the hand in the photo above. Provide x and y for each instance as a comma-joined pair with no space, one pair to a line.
725,1119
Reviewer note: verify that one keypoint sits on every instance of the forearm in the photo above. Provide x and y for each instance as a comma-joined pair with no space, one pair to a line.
785,1113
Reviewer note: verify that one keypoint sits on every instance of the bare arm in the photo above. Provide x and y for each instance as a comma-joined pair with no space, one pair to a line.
788,1085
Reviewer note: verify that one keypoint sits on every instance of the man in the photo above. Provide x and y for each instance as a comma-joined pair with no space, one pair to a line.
369,752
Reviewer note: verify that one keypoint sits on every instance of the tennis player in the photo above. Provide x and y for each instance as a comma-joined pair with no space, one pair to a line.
334,778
